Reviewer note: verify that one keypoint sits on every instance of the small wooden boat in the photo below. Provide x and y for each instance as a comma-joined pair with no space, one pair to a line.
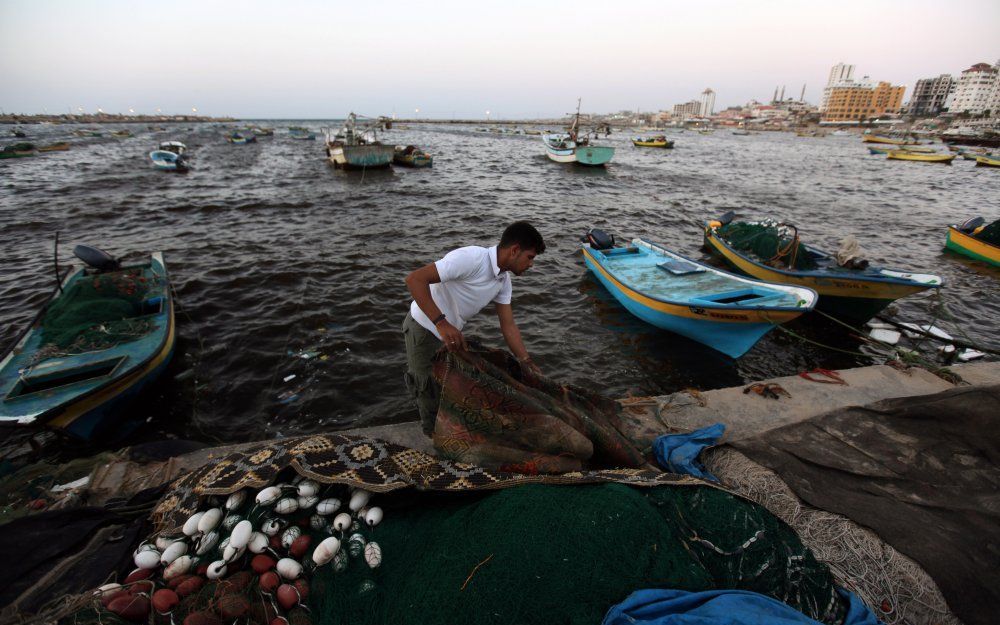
170,157
357,146
62,146
875,150
964,240
726,312
705,131
850,294
301,134
653,142
18,150
240,139
904,155
86,133
741,133
987,161
412,156
121,134
262,132
922,149
560,148
106,332
878,139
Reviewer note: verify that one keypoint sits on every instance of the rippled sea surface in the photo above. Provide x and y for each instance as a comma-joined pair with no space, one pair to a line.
275,255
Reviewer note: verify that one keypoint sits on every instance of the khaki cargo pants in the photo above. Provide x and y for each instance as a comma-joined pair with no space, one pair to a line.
421,346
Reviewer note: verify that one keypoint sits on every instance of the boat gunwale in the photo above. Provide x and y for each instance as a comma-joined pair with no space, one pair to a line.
812,273
49,414
707,304
954,229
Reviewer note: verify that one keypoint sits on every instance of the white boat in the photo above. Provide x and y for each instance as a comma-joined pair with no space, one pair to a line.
560,148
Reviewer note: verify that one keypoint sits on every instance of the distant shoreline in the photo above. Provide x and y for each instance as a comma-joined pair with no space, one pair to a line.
104,118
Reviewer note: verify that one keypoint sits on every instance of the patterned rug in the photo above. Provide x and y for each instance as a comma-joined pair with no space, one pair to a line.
369,463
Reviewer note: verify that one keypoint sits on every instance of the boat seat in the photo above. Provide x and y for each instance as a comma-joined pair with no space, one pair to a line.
679,267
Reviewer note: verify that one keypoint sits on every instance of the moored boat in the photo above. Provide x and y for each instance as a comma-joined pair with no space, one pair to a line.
659,141
772,252
906,155
105,333
121,134
741,133
918,148
878,139
18,150
594,155
878,150
241,139
975,240
412,156
357,146
560,148
987,161
170,156
62,146
301,134
726,312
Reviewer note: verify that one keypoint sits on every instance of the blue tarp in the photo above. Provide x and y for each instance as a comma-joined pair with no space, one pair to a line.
663,606
678,453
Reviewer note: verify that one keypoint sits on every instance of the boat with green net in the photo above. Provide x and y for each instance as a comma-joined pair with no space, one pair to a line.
105,334
772,252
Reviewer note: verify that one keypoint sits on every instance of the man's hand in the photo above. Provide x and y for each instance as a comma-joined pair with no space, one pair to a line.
452,337
530,365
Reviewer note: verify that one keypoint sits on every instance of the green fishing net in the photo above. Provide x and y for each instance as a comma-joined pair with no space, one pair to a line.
565,554
769,243
991,233
97,312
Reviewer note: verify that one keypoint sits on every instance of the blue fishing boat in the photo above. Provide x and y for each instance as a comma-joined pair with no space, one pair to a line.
170,156
726,312
560,148
239,139
105,334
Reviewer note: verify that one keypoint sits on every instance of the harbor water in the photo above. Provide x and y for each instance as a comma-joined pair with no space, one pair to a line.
289,274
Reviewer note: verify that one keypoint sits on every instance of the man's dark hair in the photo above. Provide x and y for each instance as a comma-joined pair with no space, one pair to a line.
523,234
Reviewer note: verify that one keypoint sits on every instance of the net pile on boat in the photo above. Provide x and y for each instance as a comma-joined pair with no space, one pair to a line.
768,242
990,234
354,542
97,312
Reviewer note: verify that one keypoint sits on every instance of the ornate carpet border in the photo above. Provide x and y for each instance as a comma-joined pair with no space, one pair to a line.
373,464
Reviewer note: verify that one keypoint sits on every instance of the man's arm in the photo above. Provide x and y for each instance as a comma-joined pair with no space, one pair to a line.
512,335
419,284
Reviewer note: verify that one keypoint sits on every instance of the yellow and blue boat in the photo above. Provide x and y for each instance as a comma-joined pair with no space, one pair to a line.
964,240
848,293
987,161
726,312
104,335
653,142
906,155
878,139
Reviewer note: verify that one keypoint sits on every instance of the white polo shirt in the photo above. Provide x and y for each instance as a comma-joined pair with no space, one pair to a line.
470,279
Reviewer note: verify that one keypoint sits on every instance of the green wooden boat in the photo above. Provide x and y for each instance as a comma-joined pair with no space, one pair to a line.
18,150
594,155
106,333
412,156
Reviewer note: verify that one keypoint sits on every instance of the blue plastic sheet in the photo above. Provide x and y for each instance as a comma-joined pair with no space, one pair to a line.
720,607
678,453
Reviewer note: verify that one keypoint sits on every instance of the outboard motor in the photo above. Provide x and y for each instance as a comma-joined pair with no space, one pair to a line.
970,226
98,259
599,239
726,218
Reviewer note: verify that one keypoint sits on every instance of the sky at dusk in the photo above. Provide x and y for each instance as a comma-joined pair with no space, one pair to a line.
323,59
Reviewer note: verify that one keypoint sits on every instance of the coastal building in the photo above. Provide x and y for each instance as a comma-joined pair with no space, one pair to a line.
707,103
839,73
857,101
974,92
688,109
930,95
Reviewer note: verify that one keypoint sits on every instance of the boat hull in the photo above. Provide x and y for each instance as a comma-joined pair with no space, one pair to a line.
653,144
877,139
730,331
594,155
972,247
923,158
361,156
986,161
847,298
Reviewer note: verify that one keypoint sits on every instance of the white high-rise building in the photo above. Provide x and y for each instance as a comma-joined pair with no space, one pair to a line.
842,75
975,89
707,103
